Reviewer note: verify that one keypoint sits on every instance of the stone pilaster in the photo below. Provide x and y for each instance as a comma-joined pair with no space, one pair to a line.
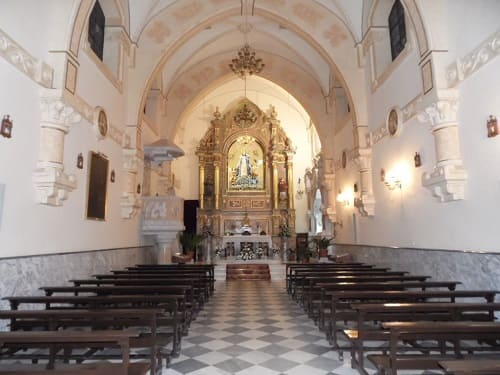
130,201
365,202
51,184
448,178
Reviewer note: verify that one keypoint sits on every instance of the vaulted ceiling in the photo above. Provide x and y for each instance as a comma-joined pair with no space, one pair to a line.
309,46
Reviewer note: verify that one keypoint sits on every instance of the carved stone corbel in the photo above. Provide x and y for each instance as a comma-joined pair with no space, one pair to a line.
366,200
51,184
130,201
447,180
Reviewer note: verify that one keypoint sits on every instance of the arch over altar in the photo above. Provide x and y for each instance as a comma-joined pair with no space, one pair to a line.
246,175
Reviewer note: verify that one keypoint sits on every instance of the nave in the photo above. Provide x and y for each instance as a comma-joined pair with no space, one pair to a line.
256,328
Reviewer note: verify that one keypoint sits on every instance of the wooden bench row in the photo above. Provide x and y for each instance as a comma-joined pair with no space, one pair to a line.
363,299
162,308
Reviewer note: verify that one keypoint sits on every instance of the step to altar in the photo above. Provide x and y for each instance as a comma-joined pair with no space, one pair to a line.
248,271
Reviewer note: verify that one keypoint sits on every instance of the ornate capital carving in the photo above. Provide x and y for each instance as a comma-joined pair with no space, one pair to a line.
363,158
54,110
443,111
447,182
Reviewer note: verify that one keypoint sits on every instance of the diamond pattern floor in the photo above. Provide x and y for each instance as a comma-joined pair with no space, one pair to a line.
253,327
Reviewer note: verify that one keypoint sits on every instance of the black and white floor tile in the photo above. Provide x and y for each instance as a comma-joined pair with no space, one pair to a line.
253,327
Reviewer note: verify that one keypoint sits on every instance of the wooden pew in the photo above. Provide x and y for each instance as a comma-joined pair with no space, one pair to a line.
53,320
201,288
291,267
441,332
300,280
340,302
59,339
314,299
367,313
471,367
173,304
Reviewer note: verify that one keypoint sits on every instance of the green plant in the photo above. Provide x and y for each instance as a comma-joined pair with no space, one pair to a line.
190,241
322,242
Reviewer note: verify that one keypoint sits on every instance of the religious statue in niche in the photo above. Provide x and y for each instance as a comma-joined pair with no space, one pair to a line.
282,189
245,165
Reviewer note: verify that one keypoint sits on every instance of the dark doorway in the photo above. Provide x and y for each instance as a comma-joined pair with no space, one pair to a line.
190,207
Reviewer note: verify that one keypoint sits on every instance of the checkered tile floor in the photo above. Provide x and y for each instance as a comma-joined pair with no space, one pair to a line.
253,327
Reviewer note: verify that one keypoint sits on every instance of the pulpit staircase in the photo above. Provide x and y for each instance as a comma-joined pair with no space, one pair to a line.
248,271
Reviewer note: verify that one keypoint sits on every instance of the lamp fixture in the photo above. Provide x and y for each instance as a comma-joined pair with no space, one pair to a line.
6,128
417,159
392,182
246,63
79,161
492,126
300,189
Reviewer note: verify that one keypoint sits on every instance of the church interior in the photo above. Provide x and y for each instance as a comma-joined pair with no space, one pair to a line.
220,170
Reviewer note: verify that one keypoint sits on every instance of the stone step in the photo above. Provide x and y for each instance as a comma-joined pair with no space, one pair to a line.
249,271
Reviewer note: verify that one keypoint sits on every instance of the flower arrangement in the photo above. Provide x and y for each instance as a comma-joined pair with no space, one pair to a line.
285,230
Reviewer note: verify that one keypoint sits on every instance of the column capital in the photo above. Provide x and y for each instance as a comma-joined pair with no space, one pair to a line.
441,111
55,111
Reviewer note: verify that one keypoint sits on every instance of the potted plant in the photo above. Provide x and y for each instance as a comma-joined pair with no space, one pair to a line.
321,244
190,242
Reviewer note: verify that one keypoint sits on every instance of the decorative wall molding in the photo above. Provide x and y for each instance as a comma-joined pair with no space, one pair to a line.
464,67
87,111
35,69
409,111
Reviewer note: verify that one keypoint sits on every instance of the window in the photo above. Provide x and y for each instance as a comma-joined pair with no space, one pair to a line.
397,29
97,21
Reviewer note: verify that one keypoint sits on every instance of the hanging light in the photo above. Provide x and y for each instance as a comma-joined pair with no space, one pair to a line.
300,189
246,64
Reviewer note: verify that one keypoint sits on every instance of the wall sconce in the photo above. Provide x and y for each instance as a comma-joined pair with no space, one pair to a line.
355,187
392,182
344,198
418,160
79,161
6,129
300,189
492,126
112,176
138,188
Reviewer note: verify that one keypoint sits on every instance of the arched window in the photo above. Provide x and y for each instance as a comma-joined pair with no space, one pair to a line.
97,22
397,29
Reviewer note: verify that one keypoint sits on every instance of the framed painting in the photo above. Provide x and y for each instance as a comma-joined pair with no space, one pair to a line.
97,186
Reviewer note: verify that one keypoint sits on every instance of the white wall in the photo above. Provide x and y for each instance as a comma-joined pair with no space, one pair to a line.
28,228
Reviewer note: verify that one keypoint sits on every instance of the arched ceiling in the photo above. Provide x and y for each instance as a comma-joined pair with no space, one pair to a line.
317,38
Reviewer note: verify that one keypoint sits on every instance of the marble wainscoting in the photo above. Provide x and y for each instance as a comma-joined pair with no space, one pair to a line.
475,269
24,275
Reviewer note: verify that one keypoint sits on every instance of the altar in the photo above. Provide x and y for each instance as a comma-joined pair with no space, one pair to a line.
254,239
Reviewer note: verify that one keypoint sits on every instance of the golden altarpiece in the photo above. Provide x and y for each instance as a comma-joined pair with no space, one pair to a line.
246,174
